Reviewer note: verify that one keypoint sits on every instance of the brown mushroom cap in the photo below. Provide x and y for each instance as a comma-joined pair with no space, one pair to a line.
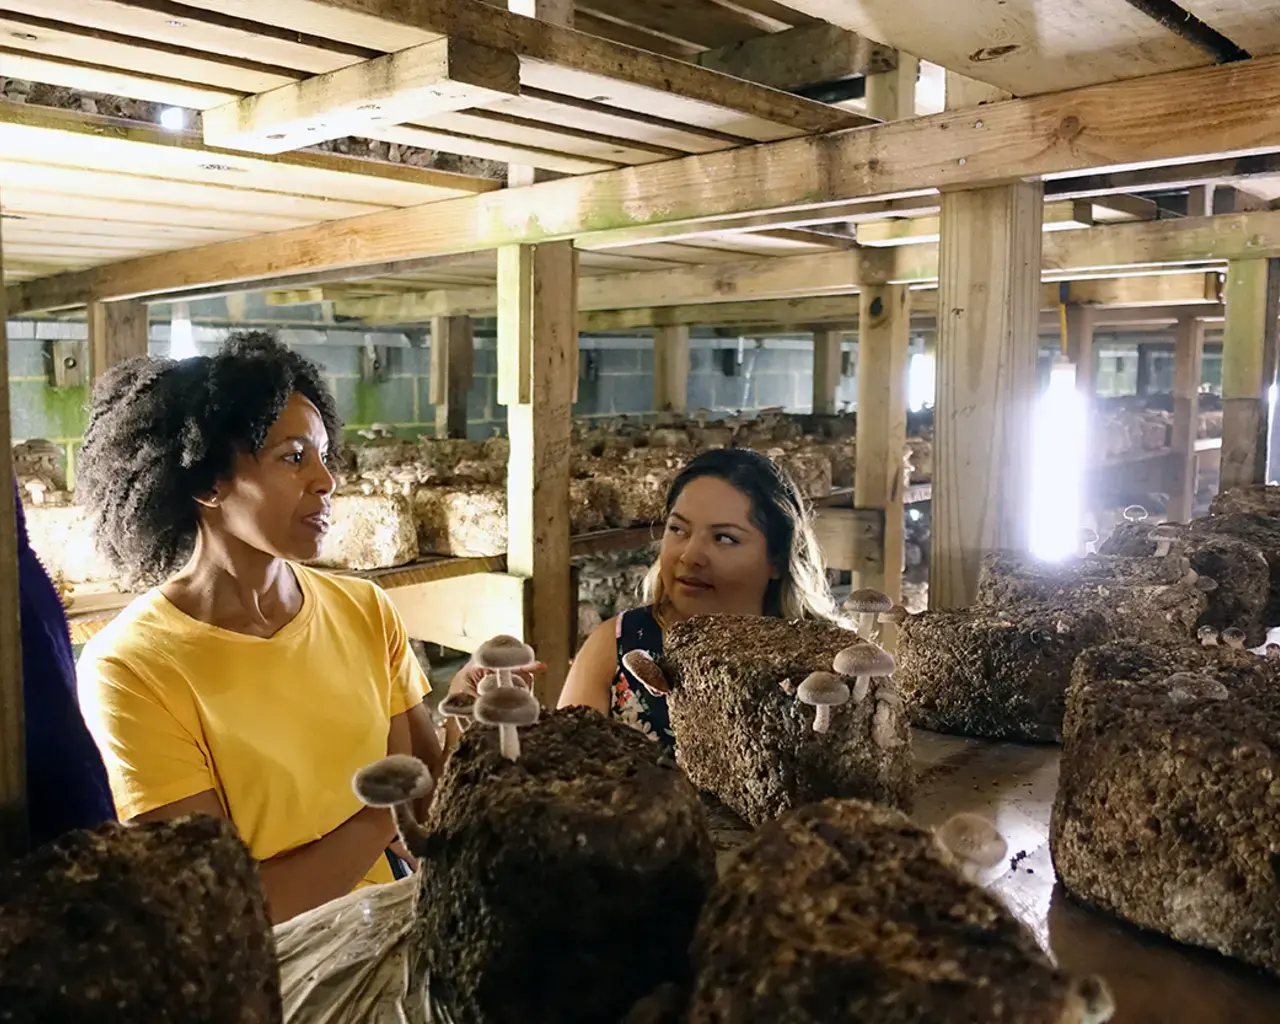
1234,634
504,651
392,780
823,688
867,601
458,705
897,615
641,665
508,705
863,660
1165,531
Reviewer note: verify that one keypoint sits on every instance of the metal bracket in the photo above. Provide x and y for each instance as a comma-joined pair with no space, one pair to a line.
374,360
68,363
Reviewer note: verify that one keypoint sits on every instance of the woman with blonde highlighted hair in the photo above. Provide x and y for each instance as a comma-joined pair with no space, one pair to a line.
737,540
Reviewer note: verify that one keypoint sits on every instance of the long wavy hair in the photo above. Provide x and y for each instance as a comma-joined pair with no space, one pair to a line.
781,514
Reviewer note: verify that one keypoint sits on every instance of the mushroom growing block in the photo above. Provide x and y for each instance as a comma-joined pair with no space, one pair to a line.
846,912
1262,532
1147,596
1168,804
465,522
590,844
163,922
62,537
373,531
1238,567
995,674
744,734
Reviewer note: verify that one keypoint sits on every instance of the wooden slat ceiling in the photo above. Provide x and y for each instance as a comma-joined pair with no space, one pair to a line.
1036,46
77,190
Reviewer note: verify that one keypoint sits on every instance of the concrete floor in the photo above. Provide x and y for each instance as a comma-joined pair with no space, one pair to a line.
1154,981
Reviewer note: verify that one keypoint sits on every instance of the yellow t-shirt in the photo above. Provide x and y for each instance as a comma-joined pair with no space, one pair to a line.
276,727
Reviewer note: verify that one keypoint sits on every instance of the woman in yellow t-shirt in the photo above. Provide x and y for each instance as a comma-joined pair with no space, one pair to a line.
243,684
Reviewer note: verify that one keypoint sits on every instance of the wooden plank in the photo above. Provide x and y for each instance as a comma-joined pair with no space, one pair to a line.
414,84
14,825
850,538
1023,46
39,135
452,362
117,331
722,314
1247,23
807,55
1248,369
924,229
705,24
487,149
462,612
883,338
182,26
561,60
986,379
1080,324
671,369
1188,357
1232,108
827,360
99,78
538,345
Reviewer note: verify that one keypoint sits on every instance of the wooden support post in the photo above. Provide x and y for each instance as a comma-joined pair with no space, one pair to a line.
826,371
883,338
1080,321
555,12
537,368
891,95
1248,369
452,363
13,737
117,331
1188,355
671,369
989,288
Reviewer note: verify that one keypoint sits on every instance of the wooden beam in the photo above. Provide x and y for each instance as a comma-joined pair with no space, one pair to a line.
796,57
827,359
14,824
1188,357
538,357
117,331
1232,109
722,314
671,369
1080,324
891,95
986,379
452,362
462,612
414,84
924,229
1248,369
554,12
883,338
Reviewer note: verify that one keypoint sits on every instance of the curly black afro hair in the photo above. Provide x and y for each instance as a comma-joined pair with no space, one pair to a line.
162,432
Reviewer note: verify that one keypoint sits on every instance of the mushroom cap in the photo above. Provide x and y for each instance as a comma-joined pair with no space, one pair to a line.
897,615
504,651
489,682
641,665
821,688
458,705
1234,634
1165,531
867,600
863,660
972,838
1205,631
392,780
507,705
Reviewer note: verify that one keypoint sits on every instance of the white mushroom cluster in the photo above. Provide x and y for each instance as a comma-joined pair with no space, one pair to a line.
859,672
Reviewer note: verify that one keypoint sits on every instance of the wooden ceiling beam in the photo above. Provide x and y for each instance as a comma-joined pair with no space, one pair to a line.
802,56
1233,109
414,84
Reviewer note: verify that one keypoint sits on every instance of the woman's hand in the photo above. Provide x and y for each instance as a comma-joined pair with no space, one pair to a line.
468,677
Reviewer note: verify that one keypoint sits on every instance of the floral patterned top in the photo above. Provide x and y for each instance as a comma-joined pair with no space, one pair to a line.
633,702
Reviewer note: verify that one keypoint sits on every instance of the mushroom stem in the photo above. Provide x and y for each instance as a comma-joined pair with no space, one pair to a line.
509,742
504,677
412,834
1162,548
861,687
866,623
822,720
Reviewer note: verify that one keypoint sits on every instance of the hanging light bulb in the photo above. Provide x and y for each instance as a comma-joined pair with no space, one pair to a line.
182,336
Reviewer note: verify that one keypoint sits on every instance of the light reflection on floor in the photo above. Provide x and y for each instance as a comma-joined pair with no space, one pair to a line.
1153,980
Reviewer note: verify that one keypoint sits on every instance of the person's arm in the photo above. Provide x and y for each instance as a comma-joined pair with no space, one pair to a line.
590,679
310,875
